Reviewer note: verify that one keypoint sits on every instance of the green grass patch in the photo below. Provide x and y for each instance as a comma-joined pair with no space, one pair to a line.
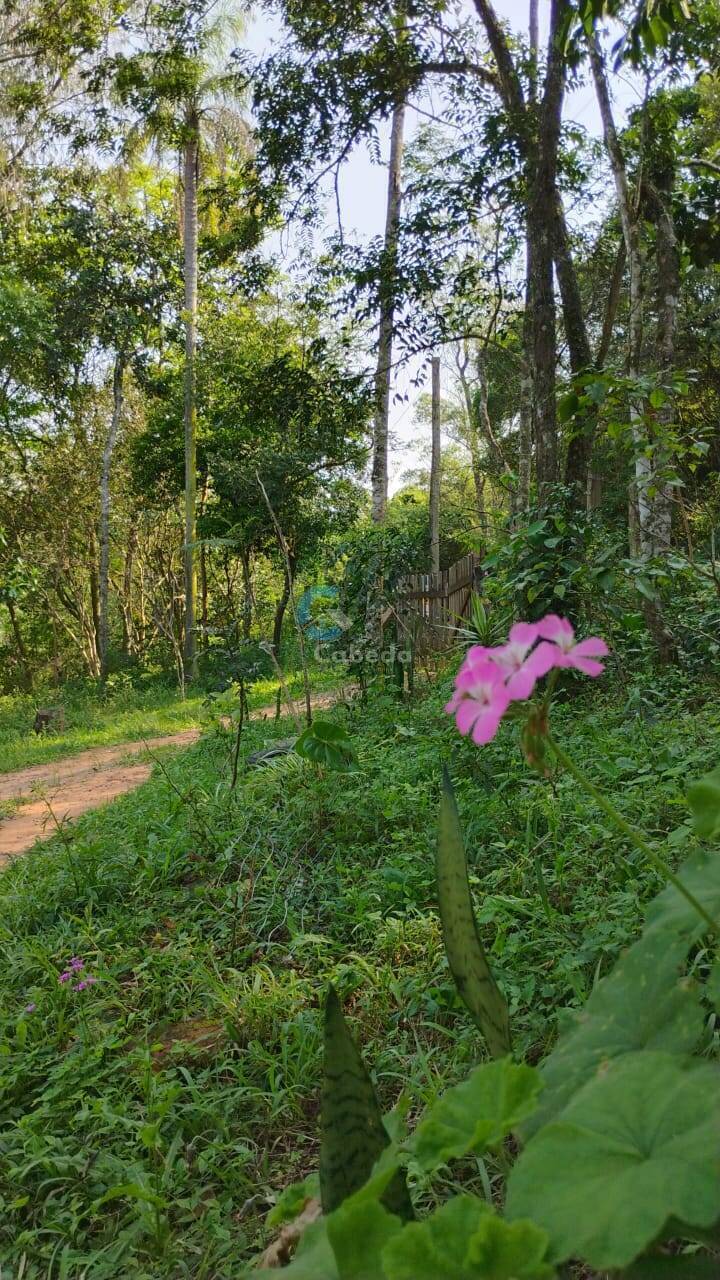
153,1118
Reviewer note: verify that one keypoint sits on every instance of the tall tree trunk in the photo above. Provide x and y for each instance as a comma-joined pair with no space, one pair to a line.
435,463
388,285
190,238
667,260
104,532
281,607
247,606
541,171
642,501
128,640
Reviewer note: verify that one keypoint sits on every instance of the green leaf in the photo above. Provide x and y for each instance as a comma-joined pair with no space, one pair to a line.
327,744
464,1240
657,397
353,1134
644,1003
672,912
636,1146
292,1200
468,965
704,802
476,1114
358,1232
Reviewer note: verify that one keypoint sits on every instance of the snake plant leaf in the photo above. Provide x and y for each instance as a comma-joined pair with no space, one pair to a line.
476,1114
468,964
637,1146
464,1240
672,912
327,744
643,1003
353,1135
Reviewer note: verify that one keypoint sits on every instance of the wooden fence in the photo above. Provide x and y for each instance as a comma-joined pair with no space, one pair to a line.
428,605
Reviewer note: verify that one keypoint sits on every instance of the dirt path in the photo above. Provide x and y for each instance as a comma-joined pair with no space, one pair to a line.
72,786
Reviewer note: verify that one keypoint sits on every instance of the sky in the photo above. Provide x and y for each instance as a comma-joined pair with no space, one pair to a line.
363,185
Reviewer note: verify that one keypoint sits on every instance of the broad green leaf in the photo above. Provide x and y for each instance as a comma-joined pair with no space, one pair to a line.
636,1146
353,1134
314,1259
326,744
468,965
704,801
358,1232
657,396
671,912
464,1240
476,1114
644,1003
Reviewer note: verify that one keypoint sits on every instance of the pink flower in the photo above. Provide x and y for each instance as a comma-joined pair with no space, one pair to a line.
481,698
76,963
64,977
86,982
564,652
521,672
30,1008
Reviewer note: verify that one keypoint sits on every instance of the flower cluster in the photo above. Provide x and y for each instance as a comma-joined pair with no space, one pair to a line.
490,679
75,968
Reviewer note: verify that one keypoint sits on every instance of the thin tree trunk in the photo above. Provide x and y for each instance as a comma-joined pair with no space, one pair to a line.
247,607
104,532
22,651
388,285
435,464
190,237
128,628
667,260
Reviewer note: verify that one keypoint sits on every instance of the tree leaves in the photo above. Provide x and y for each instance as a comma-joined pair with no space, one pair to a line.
644,1003
476,1114
638,1145
327,744
468,964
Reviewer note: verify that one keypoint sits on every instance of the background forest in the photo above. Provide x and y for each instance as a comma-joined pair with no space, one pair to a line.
246,389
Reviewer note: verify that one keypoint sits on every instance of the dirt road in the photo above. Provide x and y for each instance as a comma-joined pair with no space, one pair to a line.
72,786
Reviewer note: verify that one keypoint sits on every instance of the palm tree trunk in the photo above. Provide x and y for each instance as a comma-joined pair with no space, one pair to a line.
190,237
387,315
104,533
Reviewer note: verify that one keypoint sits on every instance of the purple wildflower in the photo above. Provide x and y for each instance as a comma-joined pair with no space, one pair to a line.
76,963
86,982
65,977
30,1008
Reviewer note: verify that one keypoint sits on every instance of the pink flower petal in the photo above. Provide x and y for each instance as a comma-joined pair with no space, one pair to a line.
558,629
487,725
467,713
524,633
586,665
592,647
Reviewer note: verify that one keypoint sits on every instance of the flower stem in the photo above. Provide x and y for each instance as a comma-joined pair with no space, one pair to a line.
652,856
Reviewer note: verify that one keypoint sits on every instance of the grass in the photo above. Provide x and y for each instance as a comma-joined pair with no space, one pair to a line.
123,714
151,1120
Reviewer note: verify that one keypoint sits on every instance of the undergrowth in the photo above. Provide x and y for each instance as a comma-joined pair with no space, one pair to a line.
150,1120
